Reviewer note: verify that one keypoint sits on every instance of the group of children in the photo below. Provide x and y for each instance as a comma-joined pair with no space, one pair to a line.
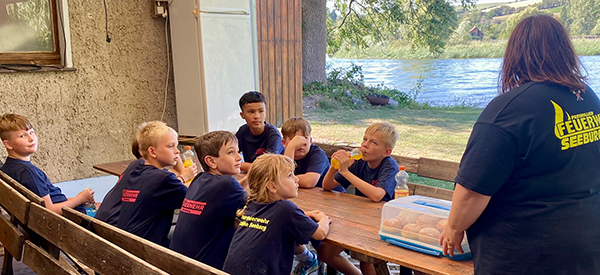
245,227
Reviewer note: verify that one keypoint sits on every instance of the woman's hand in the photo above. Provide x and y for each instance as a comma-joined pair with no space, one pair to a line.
451,239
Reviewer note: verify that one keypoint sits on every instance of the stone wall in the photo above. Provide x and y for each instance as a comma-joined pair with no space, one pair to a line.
89,116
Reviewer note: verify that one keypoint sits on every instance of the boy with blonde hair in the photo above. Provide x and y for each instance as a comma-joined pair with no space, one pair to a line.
150,192
21,142
372,176
206,222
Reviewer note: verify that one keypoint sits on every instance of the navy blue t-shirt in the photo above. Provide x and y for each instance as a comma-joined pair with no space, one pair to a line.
535,151
149,197
111,205
382,176
315,161
265,239
205,225
27,174
253,146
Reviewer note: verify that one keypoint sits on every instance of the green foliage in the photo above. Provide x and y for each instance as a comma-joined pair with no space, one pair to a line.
581,17
363,23
345,88
462,34
514,19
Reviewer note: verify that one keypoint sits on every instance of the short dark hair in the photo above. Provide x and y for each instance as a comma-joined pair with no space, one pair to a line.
210,143
539,49
251,97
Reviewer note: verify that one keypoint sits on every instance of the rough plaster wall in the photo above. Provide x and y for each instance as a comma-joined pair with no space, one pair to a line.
89,116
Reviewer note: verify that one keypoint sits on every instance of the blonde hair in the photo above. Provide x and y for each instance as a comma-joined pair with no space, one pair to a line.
149,133
210,144
388,132
13,122
266,169
293,125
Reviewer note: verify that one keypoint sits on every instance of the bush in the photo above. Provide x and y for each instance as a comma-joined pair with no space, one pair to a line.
345,87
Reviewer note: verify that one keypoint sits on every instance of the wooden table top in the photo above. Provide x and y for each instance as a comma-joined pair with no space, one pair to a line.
354,226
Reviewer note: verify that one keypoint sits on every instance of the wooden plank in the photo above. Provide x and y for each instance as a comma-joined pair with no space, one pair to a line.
284,59
437,169
430,191
42,263
279,92
290,22
272,89
161,257
114,168
33,197
14,202
95,252
11,238
298,51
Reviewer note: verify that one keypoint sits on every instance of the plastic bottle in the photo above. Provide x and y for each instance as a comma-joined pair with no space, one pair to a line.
355,154
401,180
188,156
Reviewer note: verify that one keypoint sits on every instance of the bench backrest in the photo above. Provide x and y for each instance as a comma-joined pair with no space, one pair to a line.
159,256
95,252
17,208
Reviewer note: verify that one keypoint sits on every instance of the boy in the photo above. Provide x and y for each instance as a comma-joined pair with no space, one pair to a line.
256,137
110,208
311,162
150,192
21,142
205,225
373,177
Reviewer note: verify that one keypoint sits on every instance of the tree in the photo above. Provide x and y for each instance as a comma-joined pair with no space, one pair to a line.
423,23
581,16
514,19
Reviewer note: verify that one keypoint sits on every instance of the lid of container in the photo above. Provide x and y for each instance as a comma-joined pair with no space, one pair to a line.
188,147
401,168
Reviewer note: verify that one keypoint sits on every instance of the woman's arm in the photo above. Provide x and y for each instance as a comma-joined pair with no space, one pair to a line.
467,206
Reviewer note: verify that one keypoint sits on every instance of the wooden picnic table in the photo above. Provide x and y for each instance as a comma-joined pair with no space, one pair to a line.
354,226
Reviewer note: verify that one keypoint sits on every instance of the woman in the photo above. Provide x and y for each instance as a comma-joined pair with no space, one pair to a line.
528,185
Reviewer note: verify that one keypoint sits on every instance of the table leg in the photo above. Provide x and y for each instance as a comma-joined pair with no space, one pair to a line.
380,265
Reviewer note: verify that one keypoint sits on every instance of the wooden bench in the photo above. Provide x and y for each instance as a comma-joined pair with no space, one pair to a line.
101,255
159,256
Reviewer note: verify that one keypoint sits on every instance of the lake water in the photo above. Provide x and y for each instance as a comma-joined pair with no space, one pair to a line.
446,82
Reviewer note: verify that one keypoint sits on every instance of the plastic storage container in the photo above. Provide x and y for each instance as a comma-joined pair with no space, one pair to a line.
416,222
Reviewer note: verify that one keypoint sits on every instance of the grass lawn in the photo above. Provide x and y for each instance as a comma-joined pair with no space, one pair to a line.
439,133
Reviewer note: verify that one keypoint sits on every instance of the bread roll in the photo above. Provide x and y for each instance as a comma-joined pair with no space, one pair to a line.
441,224
429,235
392,225
426,220
407,217
411,231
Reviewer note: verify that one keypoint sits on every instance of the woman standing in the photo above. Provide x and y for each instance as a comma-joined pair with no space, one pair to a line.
528,186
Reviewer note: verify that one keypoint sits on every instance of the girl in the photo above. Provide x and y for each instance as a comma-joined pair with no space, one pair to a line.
270,224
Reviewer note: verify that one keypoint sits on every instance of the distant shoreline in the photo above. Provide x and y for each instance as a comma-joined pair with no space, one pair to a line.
475,49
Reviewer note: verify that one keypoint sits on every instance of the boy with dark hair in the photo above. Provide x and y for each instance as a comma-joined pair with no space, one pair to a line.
373,177
21,142
256,137
206,222
150,192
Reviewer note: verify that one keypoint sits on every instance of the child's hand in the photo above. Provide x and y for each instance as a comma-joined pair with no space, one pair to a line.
344,159
298,141
317,215
86,196
189,172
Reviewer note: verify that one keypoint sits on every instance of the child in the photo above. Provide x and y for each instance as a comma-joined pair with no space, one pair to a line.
311,162
256,137
205,225
21,142
110,208
373,177
271,225
151,193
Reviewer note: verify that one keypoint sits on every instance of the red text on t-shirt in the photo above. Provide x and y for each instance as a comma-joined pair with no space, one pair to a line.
192,207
